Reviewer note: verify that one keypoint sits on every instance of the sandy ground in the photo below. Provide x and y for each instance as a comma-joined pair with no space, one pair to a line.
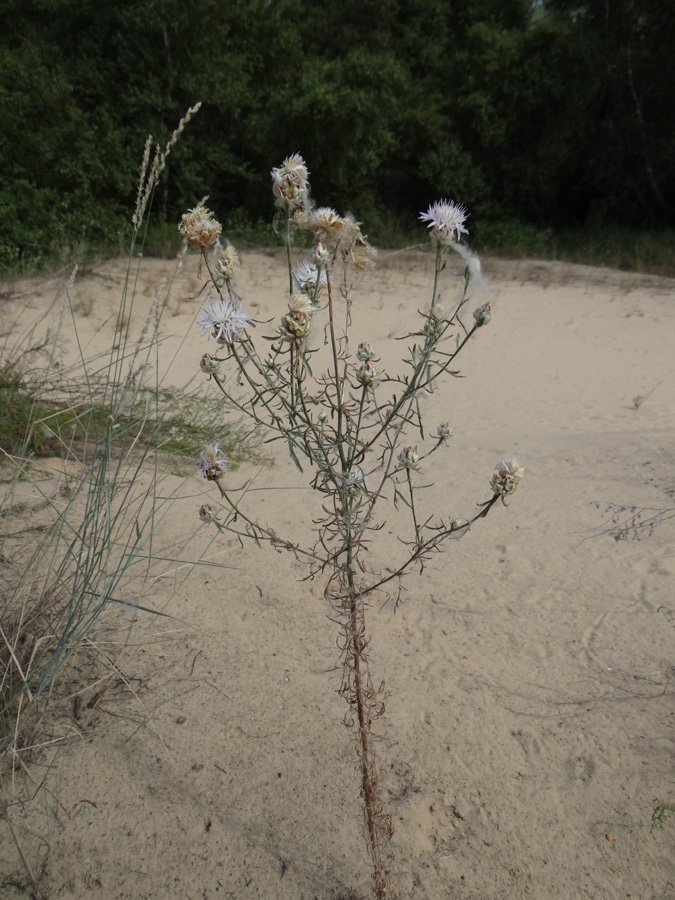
531,721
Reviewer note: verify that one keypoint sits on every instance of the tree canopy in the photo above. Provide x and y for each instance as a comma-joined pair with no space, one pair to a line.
554,114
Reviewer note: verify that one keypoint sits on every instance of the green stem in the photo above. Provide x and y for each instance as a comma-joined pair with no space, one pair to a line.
437,269
288,255
412,505
338,385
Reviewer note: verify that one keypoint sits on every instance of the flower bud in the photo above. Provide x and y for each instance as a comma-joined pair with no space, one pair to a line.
320,254
444,431
483,314
409,458
367,375
295,325
365,352
209,364
353,481
208,513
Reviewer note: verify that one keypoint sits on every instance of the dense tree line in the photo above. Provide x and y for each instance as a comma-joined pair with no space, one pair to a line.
553,113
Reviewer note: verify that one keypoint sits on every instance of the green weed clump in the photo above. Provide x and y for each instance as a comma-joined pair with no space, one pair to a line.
662,813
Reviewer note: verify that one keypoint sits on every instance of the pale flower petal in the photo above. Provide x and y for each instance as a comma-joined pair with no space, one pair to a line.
445,218
224,320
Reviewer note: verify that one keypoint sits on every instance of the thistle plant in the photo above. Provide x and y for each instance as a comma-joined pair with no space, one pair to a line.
358,430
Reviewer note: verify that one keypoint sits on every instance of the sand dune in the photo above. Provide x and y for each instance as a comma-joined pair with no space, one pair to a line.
532,708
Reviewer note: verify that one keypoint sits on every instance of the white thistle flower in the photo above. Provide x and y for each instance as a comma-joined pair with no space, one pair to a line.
224,320
208,513
445,218
409,458
290,184
199,226
444,431
307,275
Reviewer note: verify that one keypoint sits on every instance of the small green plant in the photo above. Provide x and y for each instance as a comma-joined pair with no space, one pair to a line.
662,813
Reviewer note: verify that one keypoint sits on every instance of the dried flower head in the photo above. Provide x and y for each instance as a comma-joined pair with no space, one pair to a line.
209,364
200,227
208,513
327,227
365,352
409,458
290,184
224,320
506,477
445,218
212,462
301,302
300,217
363,254
483,314
367,374
227,263
296,325
333,232
444,431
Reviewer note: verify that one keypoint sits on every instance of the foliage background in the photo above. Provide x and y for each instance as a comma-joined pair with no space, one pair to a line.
542,117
